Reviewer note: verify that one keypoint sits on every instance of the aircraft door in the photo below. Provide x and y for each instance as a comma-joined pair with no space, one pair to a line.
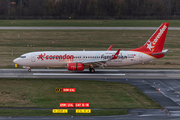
140,57
33,58
119,59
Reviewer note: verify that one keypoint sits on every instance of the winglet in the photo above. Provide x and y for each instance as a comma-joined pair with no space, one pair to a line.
109,49
116,55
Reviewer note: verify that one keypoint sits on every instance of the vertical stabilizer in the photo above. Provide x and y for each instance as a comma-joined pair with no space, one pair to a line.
156,41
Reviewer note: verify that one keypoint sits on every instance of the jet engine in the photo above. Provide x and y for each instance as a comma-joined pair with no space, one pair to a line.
75,66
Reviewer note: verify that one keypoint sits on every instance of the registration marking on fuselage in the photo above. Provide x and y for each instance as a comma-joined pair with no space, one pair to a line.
74,74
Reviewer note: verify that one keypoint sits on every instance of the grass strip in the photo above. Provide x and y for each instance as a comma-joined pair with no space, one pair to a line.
41,93
70,113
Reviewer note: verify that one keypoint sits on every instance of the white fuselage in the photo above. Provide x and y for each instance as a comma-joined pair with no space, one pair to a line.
62,58
78,60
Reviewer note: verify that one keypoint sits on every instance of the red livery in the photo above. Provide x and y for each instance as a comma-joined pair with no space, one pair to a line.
75,66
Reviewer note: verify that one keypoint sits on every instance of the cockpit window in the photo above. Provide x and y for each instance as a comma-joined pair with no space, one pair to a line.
22,56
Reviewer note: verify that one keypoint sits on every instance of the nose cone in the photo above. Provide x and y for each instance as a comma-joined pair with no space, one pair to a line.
16,61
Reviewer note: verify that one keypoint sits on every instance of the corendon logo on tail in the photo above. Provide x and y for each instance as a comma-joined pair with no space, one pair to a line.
151,45
55,57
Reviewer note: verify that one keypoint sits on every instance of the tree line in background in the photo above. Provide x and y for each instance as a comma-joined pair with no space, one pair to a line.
78,8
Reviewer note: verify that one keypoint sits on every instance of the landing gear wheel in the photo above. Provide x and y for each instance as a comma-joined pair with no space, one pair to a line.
29,70
92,70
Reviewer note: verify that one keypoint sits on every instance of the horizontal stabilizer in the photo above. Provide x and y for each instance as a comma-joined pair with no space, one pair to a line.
163,52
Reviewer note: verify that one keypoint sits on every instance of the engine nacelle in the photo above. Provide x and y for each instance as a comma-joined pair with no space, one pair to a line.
75,66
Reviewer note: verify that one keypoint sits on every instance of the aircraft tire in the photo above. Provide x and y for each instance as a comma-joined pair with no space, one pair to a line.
92,70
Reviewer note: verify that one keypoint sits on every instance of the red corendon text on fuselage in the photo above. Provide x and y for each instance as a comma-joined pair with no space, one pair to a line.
55,57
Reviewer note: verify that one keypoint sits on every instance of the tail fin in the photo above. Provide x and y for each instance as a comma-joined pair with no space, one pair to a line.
156,41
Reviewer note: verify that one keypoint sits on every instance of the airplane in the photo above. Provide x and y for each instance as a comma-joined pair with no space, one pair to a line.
79,60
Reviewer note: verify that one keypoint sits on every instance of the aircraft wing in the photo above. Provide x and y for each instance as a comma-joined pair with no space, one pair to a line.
99,62
93,62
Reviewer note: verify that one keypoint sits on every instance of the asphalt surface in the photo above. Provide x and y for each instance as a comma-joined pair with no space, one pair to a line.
85,28
166,92
100,73
163,86
118,117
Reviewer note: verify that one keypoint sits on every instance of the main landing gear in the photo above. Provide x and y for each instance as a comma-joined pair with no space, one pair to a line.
29,70
92,70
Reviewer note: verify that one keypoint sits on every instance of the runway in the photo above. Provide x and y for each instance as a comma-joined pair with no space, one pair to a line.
85,28
160,85
100,73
